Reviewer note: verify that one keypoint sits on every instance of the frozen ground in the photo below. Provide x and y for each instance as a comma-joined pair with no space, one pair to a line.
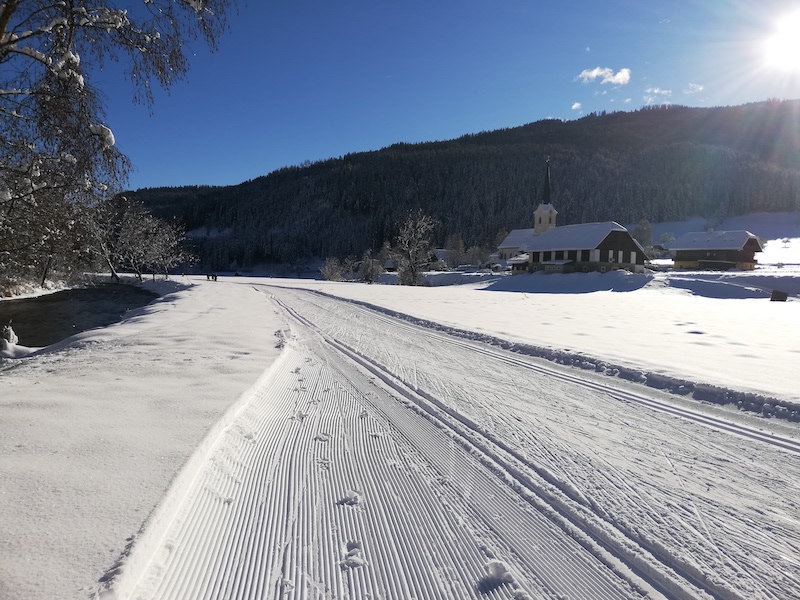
311,445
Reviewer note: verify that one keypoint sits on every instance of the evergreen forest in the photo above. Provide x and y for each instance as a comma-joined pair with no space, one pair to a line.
656,164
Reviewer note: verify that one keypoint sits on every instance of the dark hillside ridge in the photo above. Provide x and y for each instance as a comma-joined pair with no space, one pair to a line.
660,164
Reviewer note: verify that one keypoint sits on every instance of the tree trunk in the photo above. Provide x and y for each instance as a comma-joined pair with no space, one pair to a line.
46,269
114,274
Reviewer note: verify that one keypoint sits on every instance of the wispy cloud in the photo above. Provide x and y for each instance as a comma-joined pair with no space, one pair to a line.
577,106
588,49
693,88
606,75
628,100
657,91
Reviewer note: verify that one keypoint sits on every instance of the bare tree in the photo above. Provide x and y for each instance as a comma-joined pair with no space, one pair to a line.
332,269
57,154
371,268
413,247
167,249
455,250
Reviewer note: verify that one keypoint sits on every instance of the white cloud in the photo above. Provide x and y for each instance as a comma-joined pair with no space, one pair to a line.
577,106
628,100
606,75
588,49
693,88
652,100
659,91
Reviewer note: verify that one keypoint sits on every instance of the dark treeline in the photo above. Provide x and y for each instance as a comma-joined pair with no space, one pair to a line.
659,164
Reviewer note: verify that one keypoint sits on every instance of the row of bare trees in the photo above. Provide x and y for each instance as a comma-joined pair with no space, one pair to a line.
126,236
412,254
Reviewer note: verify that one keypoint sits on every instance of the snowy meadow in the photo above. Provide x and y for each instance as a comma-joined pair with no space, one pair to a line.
107,435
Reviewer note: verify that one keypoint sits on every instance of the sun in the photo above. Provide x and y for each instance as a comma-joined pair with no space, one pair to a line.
782,50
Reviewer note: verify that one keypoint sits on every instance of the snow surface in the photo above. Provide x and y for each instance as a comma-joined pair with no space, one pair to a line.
712,328
253,437
94,431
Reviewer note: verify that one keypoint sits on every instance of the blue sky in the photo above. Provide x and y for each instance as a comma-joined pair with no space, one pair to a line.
297,80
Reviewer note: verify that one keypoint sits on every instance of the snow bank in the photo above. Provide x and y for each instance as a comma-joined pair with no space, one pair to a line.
95,428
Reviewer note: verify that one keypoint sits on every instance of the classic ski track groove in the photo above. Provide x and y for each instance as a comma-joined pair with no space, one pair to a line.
293,503
574,510
689,572
326,488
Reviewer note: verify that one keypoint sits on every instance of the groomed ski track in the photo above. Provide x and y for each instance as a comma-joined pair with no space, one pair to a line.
382,460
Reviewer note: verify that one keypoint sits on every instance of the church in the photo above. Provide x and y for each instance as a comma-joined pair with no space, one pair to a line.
570,248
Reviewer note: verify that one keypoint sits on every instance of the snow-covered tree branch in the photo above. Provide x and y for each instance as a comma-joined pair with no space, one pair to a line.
413,248
57,152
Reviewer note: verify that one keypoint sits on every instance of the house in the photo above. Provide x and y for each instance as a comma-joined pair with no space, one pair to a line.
519,263
584,247
716,250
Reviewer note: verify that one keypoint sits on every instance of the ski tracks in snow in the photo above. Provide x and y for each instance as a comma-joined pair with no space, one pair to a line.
326,486
377,460
723,517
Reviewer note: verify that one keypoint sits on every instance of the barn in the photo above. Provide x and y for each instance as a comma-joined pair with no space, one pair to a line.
716,250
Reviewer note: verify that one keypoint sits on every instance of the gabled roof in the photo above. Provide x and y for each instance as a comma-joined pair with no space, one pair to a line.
517,238
586,236
714,240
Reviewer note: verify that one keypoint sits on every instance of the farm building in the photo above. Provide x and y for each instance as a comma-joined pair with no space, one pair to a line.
716,250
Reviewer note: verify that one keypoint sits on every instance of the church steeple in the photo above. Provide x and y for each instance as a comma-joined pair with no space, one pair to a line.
546,190
544,217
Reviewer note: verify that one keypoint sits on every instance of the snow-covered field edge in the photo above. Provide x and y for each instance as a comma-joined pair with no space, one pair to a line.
758,403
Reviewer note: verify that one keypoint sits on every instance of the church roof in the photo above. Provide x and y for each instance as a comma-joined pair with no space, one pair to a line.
546,208
517,238
586,236
714,240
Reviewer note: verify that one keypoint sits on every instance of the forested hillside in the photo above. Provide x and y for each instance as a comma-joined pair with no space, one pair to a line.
658,164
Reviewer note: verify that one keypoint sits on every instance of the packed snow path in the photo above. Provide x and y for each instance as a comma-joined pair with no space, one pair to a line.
438,468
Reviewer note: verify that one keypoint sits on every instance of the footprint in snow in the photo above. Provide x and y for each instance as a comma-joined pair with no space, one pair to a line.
298,415
351,498
500,575
354,556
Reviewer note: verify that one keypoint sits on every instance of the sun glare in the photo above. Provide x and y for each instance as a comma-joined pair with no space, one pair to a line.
783,48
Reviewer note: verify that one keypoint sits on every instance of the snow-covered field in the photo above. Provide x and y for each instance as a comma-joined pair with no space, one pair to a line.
264,438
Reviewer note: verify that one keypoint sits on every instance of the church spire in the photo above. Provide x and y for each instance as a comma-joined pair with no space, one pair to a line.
546,190
544,217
